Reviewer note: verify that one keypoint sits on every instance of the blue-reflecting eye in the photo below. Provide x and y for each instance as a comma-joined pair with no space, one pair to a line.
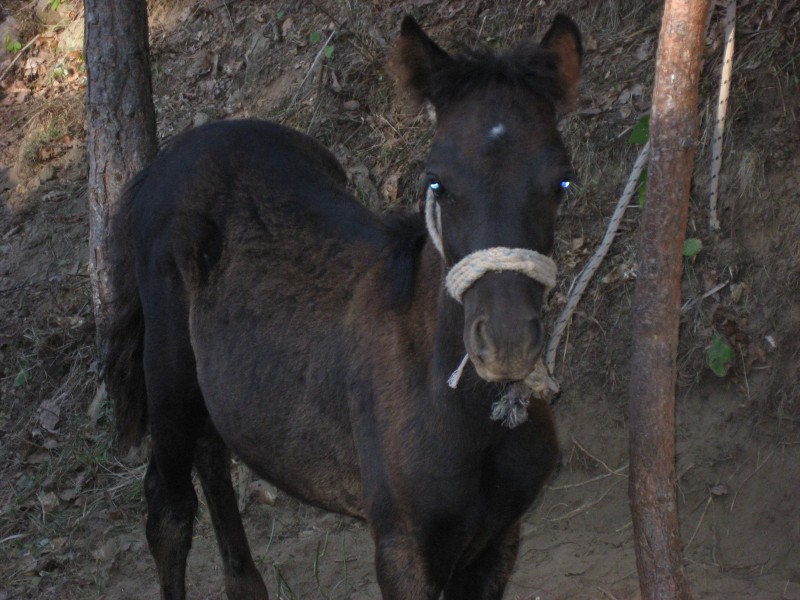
436,188
564,184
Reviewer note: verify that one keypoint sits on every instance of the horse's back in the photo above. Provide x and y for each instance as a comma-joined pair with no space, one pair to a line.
246,187
246,165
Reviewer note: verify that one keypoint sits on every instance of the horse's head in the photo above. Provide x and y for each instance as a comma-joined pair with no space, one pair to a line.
495,175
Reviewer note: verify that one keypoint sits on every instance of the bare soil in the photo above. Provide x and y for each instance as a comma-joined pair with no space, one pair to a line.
71,508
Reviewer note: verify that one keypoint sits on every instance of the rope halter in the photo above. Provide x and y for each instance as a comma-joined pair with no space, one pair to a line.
511,408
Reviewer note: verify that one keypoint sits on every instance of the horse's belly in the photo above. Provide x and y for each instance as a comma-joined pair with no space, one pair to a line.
281,407
305,455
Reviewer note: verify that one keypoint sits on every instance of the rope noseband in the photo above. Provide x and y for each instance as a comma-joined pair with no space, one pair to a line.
511,408
472,267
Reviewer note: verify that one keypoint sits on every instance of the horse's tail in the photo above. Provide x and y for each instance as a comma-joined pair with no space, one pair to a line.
124,369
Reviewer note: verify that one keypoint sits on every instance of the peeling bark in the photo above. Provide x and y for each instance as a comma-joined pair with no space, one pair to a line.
656,311
120,120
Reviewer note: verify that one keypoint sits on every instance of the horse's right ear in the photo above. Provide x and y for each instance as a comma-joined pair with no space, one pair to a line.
416,59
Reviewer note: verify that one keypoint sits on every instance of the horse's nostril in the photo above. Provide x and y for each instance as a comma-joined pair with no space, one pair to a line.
537,334
482,344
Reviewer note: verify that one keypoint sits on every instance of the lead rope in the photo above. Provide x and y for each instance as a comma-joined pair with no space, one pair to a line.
511,408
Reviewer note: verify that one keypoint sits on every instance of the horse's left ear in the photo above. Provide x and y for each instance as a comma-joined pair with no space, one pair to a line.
416,59
564,39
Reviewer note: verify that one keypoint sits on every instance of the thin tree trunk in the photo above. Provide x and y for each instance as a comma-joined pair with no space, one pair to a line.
656,311
120,120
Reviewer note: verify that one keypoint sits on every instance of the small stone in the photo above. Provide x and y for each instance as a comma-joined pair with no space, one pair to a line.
719,489
351,105
200,119
46,173
262,492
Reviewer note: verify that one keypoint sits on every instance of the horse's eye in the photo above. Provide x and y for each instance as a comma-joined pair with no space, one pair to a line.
565,183
436,187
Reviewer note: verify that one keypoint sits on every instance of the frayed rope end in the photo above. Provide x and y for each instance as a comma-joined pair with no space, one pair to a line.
454,378
512,407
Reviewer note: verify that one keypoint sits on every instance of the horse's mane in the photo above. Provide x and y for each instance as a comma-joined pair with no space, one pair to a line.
528,66
405,238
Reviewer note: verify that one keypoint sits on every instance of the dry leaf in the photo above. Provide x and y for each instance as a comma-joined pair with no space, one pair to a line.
48,501
286,26
68,495
390,187
49,415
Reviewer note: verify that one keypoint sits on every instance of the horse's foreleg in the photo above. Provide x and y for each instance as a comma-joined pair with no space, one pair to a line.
402,573
485,578
242,579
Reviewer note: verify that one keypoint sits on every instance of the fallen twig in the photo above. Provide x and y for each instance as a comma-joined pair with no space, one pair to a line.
587,505
567,486
597,460
722,110
317,60
746,479
699,522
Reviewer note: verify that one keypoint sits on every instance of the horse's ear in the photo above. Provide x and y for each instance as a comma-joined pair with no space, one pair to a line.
416,59
564,39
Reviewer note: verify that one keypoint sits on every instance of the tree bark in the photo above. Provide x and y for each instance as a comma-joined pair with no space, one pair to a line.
121,124
656,310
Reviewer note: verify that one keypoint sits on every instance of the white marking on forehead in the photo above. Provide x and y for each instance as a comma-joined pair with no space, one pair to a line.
496,131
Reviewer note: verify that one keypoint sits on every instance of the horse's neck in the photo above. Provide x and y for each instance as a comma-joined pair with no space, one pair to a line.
470,402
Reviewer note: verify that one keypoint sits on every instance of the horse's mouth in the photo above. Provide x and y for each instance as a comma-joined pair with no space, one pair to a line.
502,372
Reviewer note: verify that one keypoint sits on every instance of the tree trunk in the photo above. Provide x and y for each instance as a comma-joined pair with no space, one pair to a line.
656,310
120,120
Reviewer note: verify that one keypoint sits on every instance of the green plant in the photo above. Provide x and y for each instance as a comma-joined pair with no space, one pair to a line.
23,376
720,355
54,4
641,132
12,46
639,136
691,247
316,38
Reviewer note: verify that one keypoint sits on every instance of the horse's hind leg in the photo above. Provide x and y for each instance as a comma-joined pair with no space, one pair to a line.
242,580
176,414
170,512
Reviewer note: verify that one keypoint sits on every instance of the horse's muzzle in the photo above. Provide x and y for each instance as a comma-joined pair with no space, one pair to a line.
503,331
